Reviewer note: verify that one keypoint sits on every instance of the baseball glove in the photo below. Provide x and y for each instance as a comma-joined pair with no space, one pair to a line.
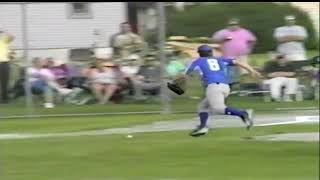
177,85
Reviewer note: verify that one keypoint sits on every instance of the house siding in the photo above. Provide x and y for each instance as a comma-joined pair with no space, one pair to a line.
52,27
10,20
49,26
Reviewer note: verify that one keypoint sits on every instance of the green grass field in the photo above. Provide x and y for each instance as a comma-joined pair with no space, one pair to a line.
179,105
226,154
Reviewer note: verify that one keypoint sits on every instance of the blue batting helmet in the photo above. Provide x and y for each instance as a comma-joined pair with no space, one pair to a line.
204,48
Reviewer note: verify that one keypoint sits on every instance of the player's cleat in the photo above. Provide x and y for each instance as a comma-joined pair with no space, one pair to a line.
199,131
248,118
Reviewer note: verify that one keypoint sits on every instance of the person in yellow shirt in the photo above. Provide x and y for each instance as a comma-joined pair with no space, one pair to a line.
5,57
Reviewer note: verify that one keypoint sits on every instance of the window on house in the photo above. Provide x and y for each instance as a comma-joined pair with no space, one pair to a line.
80,10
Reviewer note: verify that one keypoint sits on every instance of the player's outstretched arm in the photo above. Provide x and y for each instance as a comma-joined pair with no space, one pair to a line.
247,67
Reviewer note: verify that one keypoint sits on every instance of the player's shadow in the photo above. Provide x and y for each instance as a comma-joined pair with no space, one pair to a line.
248,138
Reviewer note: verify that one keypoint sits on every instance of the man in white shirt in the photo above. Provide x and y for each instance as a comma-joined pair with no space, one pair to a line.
291,39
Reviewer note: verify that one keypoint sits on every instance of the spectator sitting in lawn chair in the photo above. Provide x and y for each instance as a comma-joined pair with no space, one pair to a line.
77,79
104,80
175,65
147,79
42,81
129,68
281,76
62,75
59,70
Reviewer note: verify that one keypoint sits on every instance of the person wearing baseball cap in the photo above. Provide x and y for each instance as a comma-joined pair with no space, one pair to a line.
290,18
235,42
291,38
5,57
233,23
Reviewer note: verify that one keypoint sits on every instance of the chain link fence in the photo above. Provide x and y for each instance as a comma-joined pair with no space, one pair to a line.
35,28
75,34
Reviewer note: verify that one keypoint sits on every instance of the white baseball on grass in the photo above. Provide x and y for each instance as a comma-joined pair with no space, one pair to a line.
129,136
194,97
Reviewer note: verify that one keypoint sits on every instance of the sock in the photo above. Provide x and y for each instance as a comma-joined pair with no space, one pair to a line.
235,112
203,118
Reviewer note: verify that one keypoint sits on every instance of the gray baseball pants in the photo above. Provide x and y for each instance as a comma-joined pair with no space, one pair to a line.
214,102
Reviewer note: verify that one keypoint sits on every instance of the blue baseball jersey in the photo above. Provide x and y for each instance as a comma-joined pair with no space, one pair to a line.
212,69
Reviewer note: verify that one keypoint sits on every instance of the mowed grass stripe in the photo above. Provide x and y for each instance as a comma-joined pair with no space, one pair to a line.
223,154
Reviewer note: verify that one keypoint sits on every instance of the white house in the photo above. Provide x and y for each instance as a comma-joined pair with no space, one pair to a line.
54,27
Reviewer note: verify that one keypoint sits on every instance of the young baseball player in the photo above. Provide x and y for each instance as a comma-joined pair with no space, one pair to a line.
214,76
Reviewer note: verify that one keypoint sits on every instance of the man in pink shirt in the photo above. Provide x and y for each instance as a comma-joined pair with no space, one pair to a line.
236,42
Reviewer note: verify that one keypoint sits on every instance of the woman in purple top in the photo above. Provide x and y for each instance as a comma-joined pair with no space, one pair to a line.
61,72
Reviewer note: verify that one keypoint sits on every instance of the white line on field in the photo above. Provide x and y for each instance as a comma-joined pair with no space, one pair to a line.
137,129
299,119
298,108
